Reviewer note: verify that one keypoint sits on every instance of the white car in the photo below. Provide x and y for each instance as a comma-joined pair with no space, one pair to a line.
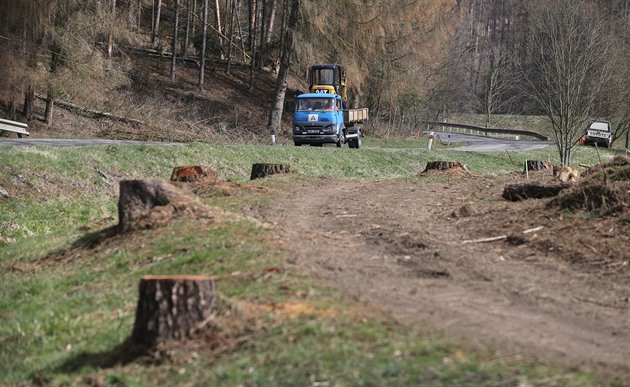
599,132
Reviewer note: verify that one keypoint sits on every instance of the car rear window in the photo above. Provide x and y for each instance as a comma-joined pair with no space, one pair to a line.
599,126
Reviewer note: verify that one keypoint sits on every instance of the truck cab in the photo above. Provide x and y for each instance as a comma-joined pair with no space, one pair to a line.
318,120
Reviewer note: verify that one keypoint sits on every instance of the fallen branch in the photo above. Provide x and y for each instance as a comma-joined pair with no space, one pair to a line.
593,249
482,240
530,230
92,113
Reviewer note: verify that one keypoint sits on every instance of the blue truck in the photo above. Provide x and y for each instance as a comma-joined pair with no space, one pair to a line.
321,116
320,119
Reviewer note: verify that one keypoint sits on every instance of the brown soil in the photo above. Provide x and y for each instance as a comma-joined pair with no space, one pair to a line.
553,287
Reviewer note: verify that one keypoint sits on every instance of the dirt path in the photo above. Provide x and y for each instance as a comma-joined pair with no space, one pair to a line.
398,246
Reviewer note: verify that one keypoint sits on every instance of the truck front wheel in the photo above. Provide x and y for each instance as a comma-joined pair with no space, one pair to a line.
341,141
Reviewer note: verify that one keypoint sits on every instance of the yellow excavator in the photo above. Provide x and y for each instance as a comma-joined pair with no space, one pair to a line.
327,79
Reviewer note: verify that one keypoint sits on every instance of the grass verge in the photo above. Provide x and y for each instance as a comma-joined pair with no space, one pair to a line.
67,305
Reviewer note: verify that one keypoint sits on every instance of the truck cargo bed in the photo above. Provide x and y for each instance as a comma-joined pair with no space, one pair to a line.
352,116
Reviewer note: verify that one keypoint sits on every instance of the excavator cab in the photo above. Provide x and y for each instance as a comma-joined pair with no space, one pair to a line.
327,79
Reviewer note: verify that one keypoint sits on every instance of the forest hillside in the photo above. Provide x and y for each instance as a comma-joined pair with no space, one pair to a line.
213,70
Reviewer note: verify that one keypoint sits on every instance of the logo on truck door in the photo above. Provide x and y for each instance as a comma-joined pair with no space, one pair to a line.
313,117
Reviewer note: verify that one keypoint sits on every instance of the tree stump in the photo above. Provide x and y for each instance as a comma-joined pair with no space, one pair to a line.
445,165
523,191
151,203
264,170
190,173
537,165
171,307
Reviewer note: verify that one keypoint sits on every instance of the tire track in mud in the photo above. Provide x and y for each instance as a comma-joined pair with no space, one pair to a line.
394,245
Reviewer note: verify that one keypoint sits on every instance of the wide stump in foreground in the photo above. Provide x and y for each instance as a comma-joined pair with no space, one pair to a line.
264,170
445,166
171,307
192,173
145,204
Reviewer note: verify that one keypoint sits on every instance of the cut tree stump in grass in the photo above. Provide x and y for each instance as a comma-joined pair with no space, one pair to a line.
147,204
264,170
445,165
524,191
190,173
172,307
537,165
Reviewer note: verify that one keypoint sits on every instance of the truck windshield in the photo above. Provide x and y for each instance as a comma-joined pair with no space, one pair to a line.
315,104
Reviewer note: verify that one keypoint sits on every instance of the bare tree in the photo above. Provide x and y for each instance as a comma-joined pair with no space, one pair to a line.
622,102
499,81
569,66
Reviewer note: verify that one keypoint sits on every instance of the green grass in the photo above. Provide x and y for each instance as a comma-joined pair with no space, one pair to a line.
65,307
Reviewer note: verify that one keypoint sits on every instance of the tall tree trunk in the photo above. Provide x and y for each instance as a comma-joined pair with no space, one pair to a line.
204,33
275,120
48,113
131,22
174,45
139,15
252,46
156,21
12,108
231,36
187,31
263,21
219,26
110,39
29,98
240,31
270,23
251,23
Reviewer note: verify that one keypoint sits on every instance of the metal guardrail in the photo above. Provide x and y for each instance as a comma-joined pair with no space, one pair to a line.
14,126
485,131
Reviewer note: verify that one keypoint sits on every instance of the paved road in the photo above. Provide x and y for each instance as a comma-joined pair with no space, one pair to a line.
472,143
73,142
488,144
